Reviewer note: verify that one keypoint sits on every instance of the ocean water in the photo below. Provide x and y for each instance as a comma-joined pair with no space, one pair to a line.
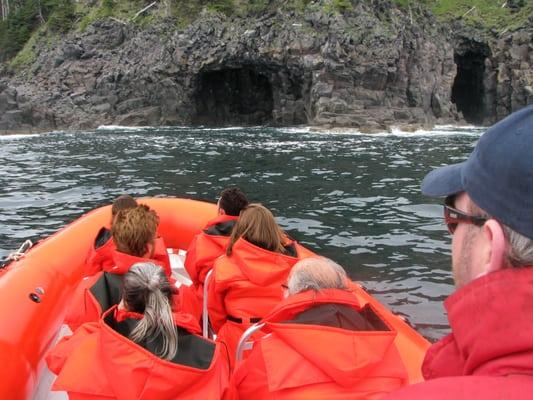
352,197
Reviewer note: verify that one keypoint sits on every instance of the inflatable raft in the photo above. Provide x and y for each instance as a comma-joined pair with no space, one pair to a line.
35,290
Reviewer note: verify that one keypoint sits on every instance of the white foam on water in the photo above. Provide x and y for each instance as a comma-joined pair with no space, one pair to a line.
300,129
226,128
123,128
438,130
461,127
17,136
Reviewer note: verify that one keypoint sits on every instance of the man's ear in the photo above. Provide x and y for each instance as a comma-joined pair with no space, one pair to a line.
220,210
497,246
150,249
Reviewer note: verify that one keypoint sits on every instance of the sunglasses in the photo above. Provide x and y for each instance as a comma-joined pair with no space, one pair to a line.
453,217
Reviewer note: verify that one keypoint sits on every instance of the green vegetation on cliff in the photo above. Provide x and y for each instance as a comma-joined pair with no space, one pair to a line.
498,15
27,17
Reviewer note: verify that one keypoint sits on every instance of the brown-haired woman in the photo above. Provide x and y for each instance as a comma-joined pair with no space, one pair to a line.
246,282
141,349
134,235
100,256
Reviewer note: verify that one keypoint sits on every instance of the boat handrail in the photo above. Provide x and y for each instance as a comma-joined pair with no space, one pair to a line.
205,313
243,344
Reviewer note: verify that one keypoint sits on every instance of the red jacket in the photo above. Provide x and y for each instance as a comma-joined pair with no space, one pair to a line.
247,285
98,362
101,256
97,293
331,350
489,354
207,246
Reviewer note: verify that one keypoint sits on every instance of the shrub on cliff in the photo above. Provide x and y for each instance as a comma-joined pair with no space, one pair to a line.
62,15
26,16
17,28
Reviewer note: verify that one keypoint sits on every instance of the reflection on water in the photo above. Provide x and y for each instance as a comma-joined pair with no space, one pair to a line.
354,198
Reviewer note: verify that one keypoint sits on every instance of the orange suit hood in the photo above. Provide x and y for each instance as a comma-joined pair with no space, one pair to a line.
123,262
207,246
261,267
99,361
135,373
320,354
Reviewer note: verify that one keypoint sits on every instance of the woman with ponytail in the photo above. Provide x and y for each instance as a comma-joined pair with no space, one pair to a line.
246,282
147,297
140,349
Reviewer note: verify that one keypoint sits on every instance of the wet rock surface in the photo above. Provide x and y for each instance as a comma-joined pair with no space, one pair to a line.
494,76
370,69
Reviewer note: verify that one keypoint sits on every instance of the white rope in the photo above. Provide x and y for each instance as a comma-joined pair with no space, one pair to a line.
20,252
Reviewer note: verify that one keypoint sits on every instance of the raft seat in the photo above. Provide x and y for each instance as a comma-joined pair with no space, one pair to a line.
43,391
177,265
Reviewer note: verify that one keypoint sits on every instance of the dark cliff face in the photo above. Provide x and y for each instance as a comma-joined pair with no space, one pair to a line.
371,68
494,77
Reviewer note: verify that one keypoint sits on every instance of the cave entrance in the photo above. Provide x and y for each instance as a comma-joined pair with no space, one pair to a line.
238,96
468,91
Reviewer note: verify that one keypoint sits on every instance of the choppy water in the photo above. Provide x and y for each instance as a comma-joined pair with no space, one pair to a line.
352,197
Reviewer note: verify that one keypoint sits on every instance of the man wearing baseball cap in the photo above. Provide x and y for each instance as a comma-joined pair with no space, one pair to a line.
488,209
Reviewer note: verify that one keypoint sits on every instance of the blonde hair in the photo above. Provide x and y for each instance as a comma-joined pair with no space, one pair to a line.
147,291
134,229
257,225
316,273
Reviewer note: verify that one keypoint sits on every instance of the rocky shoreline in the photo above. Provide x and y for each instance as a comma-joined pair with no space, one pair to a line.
369,69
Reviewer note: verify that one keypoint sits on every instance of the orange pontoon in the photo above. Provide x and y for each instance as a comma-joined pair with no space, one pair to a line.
34,292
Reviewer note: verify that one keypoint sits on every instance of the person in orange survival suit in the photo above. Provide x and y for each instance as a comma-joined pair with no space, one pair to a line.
134,231
322,344
211,243
100,256
140,349
247,280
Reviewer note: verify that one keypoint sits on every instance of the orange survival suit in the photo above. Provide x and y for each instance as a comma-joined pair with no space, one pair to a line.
322,345
99,292
246,286
100,362
203,250
101,254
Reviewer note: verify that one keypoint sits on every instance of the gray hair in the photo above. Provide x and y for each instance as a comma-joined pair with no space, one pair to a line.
520,252
146,290
316,273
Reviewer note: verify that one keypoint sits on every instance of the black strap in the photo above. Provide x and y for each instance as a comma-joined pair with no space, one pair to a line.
193,350
221,229
102,237
341,316
107,290
290,250
253,320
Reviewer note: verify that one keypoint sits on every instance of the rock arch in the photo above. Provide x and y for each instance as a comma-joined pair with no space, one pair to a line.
249,95
469,90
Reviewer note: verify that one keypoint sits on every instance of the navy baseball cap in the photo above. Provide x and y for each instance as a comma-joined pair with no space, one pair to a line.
498,175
